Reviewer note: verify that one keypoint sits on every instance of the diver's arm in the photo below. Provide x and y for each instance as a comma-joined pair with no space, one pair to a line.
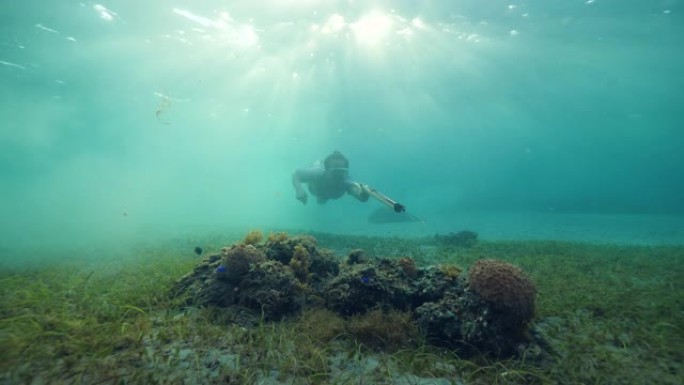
384,199
300,194
357,190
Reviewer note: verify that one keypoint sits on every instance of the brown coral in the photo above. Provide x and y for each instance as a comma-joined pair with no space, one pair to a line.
253,238
505,286
300,263
237,260
450,271
408,266
272,289
277,237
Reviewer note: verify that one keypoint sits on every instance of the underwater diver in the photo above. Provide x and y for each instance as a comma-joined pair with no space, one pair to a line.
329,179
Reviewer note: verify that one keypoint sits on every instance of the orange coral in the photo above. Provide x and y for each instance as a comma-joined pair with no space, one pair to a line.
505,286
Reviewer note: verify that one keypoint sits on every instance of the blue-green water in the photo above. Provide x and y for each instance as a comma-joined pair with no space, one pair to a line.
547,119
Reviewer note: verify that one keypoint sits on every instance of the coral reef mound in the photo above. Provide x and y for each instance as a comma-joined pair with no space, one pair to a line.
487,312
505,287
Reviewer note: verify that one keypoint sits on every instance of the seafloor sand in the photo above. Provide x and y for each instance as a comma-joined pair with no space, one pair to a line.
509,225
625,229
103,314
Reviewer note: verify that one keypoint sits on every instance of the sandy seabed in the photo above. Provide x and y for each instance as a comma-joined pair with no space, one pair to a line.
609,304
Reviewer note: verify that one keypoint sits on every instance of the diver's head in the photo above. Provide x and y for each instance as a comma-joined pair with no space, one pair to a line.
336,165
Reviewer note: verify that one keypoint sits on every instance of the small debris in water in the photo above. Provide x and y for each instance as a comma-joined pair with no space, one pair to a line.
198,250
